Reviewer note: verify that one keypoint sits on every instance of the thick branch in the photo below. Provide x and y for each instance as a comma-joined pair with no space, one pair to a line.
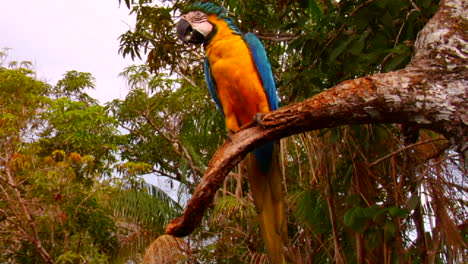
429,93
19,205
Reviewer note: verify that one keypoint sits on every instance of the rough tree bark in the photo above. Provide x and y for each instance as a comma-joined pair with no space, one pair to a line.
430,93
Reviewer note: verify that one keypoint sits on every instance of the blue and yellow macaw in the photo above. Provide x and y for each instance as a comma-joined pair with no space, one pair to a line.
240,80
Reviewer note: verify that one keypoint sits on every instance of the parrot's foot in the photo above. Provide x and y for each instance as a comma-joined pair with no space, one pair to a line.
258,119
229,134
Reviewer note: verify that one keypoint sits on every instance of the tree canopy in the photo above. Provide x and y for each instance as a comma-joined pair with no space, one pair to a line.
62,200
370,180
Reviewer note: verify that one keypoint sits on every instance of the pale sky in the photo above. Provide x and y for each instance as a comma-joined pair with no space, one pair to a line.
63,35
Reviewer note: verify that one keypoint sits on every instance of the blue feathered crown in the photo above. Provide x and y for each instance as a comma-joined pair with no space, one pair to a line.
207,8
210,8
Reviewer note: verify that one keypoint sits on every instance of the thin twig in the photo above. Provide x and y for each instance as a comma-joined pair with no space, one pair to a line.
27,214
415,5
186,78
353,13
403,149
185,153
87,198
276,37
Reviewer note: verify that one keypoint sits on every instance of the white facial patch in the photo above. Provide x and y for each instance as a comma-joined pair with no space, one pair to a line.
204,28
199,22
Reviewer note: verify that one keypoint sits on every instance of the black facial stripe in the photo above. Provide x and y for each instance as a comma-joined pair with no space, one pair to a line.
199,19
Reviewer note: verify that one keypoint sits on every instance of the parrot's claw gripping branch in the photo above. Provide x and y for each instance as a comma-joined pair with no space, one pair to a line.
229,135
258,119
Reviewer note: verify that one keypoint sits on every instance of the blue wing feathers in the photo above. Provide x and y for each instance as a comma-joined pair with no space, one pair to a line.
264,68
212,85
264,153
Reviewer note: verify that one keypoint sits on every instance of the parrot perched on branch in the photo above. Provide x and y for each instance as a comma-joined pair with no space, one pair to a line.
240,80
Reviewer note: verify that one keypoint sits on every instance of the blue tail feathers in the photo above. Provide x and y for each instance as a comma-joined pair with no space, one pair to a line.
264,155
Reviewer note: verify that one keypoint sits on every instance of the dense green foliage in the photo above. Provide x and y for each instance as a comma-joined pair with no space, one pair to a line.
46,187
61,201
344,202
71,188
312,45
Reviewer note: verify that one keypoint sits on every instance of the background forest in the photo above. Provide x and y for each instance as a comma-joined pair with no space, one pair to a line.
71,170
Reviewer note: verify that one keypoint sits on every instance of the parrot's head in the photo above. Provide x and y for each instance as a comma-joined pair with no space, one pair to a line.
194,25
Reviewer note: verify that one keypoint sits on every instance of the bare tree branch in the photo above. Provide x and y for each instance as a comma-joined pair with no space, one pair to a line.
276,37
173,139
21,207
403,149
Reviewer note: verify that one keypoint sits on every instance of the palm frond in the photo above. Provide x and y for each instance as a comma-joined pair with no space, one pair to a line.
148,206
142,213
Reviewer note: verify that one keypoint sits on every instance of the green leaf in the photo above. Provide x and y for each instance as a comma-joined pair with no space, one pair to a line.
349,217
128,2
380,216
390,228
315,10
312,210
358,45
424,3
339,49
413,202
397,211
382,3
355,219
387,21
396,62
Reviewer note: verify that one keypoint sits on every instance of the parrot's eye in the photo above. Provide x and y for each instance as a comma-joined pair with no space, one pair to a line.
199,14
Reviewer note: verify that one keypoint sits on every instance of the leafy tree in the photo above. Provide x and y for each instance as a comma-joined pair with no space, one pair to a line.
51,209
61,199
360,194
162,116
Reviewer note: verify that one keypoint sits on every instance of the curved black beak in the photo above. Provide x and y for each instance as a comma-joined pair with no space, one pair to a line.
184,29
